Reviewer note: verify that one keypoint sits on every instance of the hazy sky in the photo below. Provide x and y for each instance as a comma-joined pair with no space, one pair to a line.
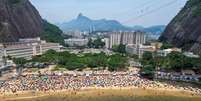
128,12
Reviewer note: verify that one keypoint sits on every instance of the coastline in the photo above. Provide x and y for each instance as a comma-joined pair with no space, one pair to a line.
146,92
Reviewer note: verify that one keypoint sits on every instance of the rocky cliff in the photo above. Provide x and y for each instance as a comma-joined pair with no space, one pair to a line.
18,19
184,30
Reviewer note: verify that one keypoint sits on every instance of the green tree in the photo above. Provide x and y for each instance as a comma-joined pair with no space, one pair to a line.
122,48
115,48
98,43
196,63
49,56
74,65
117,62
147,59
20,62
166,46
147,56
134,56
148,71
80,61
90,43
176,60
149,64
160,62
119,48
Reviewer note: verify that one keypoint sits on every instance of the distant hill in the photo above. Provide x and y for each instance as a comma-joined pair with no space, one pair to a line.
158,29
153,32
138,27
83,23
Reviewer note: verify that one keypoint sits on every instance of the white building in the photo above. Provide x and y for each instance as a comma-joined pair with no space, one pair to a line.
139,49
165,52
191,55
76,42
107,42
37,39
76,34
27,48
126,38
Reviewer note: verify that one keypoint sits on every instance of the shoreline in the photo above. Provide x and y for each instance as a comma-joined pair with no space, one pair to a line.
153,92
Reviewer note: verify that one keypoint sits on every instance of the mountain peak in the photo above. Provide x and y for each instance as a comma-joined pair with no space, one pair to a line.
82,17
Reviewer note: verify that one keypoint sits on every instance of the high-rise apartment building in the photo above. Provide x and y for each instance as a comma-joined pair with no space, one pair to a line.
116,38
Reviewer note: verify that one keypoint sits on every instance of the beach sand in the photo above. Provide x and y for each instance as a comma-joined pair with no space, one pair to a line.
107,94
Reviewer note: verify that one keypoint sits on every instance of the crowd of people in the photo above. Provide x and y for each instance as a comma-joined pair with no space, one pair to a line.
65,81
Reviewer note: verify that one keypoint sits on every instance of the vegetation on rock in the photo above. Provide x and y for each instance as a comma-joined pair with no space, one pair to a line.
196,6
14,1
51,33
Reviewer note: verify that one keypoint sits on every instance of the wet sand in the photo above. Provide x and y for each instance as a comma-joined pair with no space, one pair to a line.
108,94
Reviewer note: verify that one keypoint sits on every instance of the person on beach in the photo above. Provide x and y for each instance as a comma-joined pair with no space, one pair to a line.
57,82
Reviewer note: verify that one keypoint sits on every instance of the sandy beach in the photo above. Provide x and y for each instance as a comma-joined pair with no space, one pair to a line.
96,93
